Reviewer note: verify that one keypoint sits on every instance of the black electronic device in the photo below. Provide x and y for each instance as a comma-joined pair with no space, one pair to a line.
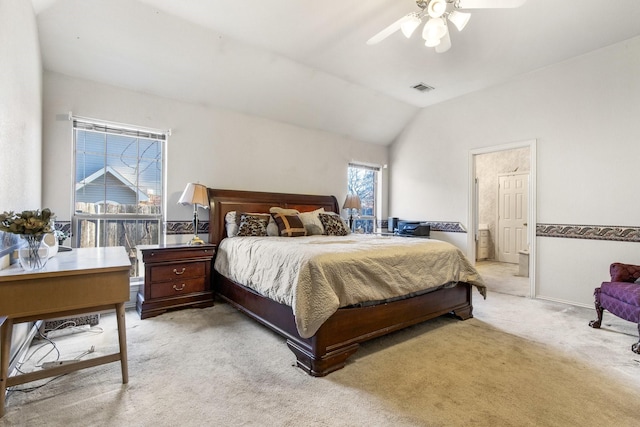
413,228
392,225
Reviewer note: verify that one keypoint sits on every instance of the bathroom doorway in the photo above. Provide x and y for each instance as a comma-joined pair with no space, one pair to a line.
503,237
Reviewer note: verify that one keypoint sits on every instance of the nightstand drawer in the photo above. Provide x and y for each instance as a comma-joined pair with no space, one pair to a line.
188,252
176,288
178,271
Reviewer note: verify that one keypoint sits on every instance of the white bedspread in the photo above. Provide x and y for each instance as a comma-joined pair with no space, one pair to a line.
316,275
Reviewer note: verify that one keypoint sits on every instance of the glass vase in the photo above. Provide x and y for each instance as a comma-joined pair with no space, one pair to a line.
34,254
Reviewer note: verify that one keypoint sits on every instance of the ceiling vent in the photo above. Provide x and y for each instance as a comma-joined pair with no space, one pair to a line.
423,87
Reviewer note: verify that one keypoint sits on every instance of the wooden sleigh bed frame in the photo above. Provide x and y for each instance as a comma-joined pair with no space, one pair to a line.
339,337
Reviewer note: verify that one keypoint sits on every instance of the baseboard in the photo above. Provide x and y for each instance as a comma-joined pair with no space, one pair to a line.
562,301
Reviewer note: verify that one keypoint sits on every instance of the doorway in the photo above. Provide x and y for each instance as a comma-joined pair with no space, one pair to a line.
502,205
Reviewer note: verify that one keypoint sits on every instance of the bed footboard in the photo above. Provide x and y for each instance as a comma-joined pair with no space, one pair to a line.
340,336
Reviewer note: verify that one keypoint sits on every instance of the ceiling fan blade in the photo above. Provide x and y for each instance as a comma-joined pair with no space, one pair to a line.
490,4
389,30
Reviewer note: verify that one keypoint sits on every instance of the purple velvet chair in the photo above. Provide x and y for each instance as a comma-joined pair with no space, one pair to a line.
620,296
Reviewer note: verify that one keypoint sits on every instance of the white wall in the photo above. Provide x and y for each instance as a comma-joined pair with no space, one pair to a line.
218,148
20,119
584,114
20,107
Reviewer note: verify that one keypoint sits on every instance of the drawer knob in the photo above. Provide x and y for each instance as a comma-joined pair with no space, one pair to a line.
178,288
179,272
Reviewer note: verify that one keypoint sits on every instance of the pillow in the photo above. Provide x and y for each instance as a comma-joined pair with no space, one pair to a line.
289,225
232,220
231,224
253,224
272,227
311,222
277,209
333,225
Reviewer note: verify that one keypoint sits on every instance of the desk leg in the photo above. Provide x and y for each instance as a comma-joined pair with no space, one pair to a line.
122,337
5,348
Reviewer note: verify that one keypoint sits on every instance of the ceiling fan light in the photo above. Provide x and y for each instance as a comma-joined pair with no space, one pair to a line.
432,42
459,19
437,8
410,25
445,43
435,28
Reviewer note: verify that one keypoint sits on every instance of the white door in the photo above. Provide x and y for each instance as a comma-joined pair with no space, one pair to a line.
513,199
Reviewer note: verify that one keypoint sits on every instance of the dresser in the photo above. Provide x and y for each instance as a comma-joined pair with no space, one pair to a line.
176,276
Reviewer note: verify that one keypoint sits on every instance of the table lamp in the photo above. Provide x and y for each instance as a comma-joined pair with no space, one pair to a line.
351,202
196,195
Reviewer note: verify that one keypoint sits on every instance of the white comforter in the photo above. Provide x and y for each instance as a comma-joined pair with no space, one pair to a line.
316,275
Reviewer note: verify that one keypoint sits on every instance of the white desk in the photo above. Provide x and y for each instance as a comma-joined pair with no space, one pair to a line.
81,281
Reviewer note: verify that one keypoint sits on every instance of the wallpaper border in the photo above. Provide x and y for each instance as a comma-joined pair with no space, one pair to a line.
185,227
447,227
566,231
589,232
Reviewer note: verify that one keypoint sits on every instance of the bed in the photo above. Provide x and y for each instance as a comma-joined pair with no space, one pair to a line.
339,336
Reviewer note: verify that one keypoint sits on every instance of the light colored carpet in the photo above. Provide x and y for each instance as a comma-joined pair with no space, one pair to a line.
519,362
503,277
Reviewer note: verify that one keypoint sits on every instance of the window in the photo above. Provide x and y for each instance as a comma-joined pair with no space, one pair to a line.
119,186
363,181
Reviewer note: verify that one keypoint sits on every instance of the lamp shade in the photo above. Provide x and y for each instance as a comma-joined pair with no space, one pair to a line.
459,19
352,202
445,43
434,29
410,25
195,194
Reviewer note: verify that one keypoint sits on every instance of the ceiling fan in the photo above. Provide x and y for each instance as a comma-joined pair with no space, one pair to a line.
436,13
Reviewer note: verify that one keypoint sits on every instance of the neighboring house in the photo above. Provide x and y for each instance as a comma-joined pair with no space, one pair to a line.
121,190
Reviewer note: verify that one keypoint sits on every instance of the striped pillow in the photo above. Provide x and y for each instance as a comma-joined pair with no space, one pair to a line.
289,225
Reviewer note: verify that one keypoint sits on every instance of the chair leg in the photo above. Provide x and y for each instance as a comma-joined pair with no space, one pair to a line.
596,323
636,347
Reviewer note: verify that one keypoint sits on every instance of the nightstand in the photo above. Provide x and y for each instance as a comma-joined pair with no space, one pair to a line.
176,276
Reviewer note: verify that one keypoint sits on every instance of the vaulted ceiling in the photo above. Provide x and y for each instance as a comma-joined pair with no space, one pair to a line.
307,62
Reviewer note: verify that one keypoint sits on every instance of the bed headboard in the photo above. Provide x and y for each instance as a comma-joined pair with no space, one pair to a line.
223,201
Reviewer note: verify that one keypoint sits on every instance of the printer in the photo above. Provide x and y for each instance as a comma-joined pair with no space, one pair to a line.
413,228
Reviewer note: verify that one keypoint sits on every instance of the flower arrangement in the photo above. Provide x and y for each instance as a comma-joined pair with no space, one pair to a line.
34,223
31,226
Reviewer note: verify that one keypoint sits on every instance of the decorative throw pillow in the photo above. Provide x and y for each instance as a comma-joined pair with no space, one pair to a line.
289,225
253,224
311,222
333,225
232,221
